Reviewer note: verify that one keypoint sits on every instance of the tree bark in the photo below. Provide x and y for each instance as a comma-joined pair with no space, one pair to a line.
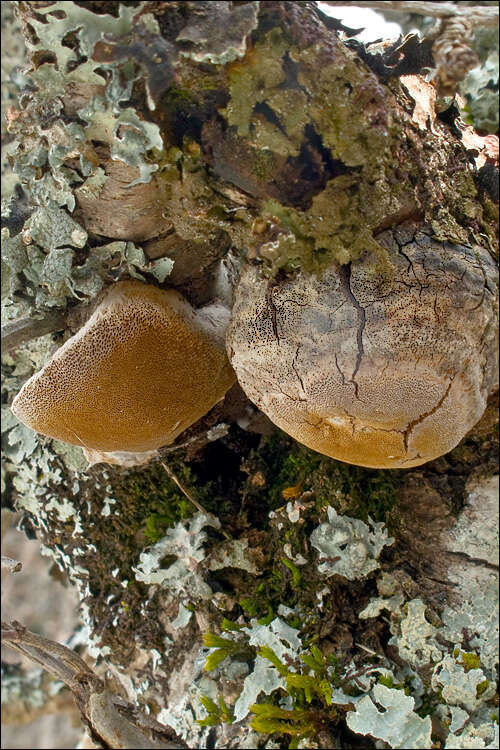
221,134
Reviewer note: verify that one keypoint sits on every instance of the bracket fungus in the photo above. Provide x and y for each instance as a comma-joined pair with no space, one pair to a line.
381,364
143,368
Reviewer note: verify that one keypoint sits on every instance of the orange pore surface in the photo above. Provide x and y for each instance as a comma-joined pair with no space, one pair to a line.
138,373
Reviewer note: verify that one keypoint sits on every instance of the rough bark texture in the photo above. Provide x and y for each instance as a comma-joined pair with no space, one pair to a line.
218,135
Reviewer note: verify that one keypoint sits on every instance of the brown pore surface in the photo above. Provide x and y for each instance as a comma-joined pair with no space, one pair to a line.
141,370
381,368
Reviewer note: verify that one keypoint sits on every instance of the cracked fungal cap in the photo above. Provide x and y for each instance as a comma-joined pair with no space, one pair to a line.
143,368
381,369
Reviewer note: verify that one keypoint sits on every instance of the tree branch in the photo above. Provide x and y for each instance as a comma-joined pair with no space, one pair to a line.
22,330
99,711
477,15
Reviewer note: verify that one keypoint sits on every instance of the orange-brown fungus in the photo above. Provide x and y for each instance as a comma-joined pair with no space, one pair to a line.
142,369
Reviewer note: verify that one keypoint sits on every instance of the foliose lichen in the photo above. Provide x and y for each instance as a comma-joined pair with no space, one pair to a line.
395,722
186,544
351,543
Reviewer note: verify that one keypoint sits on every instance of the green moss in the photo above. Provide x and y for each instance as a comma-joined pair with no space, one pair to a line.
294,570
162,503
490,209
387,681
351,490
430,701
309,689
469,660
176,96
266,593
219,713
250,606
482,687
158,523
286,471
270,719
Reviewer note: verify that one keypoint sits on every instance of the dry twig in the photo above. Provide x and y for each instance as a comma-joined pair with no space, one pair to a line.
183,489
22,330
188,494
105,716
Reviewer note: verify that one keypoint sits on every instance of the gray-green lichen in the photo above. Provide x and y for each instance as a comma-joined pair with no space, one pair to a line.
416,640
51,275
186,544
480,86
480,89
484,736
397,702
353,545
459,685
128,137
395,722
57,163
88,26
265,678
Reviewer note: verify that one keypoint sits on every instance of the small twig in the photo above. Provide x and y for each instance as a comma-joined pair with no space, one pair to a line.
39,648
188,494
173,448
477,15
22,330
13,566
183,489
207,435
369,650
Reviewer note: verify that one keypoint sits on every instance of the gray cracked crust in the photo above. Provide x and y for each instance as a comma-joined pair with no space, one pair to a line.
385,369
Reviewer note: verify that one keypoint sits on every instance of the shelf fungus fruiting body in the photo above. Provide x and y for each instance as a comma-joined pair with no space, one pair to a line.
381,365
143,368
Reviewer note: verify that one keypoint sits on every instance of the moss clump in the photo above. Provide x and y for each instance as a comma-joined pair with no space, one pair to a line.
163,504
469,660
265,596
143,504
308,677
167,505
157,501
351,490
482,687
